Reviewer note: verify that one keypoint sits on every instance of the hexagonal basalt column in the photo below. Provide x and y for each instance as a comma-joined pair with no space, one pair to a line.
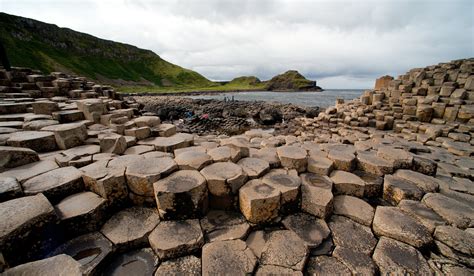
227,257
192,160
316,195
68,135
181,195
224,180
289,188
259,202
254,167
39,141
293,157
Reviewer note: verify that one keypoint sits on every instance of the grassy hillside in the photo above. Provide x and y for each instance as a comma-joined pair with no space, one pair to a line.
31,43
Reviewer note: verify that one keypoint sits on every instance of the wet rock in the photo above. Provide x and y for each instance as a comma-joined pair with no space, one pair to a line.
89,250
394,257
11,157
393,223
57,265
138,262
356,262
316,195
55,184
310,229
254,167
259,202
453,211
349,234
68,135
143,173
347,183
192,160
419,211
187,265
227,257
181,195
354,208
284,248
130,228
396,189
292,157
224,225
39,141
324,265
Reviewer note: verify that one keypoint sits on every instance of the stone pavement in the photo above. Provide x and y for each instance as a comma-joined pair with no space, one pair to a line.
97,186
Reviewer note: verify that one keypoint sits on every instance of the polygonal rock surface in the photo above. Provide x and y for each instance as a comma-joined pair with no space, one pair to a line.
284,248
112,143
68,135
192,160
426,183
373,184
393,223
89,250
187,265
254,167
349,234
9,188
356,262
172,239
81,212
140,149
11,157
395,189
107,178
419,211
39,141
130,263
166,144
459,240
320,165
259,202
293,157
142,174
57,265
129,228
166,130
316,195
227,257
453,211
25,172
39,124
371,163
268,154
224,154
397,258
343,160
224,225
347,183
289,187
276,270
400,158
310,229
354,208
55,184
324,265
224,178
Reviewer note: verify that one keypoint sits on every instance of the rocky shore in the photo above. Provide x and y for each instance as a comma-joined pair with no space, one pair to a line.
93,184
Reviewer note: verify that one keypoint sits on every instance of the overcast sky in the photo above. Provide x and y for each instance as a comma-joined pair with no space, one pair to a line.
341,44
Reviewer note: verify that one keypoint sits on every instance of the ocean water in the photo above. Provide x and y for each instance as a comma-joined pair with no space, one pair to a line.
321,99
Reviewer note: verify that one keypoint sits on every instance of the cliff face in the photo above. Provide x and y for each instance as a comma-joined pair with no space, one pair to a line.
291,80
47,47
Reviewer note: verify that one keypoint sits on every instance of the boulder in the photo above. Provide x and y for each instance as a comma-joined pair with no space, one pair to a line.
422,213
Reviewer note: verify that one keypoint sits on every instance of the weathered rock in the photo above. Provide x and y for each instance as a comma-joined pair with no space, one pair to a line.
149,121
107,178
68,116
344,160
292,157
289,188
166,130
224,225
349,234
284,248
357,262
130,263
89,250
253,167
142,174
396,189
393,223
187,265
57,265
181,195
9,188
227,257
81,213
426,183
11,157
398,157
394,257
310,229
347,183
259,202
324,265
316,195
39,141
55,184
45,107
371,163
141,149
354,208
25,172
192,160
320,165
422,213
112,143
268,154
130,228
39,124
68,135
166,144
453,211
459,240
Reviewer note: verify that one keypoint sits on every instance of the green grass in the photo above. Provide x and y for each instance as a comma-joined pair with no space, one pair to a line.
214,87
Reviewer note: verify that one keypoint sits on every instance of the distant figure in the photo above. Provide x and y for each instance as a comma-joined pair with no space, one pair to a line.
4,58
232,98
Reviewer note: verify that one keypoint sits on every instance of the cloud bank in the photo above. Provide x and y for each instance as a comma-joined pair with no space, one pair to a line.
341,44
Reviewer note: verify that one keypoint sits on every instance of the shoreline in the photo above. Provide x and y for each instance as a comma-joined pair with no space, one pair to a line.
198,92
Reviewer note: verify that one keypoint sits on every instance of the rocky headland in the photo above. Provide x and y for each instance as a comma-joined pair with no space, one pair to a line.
93,184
